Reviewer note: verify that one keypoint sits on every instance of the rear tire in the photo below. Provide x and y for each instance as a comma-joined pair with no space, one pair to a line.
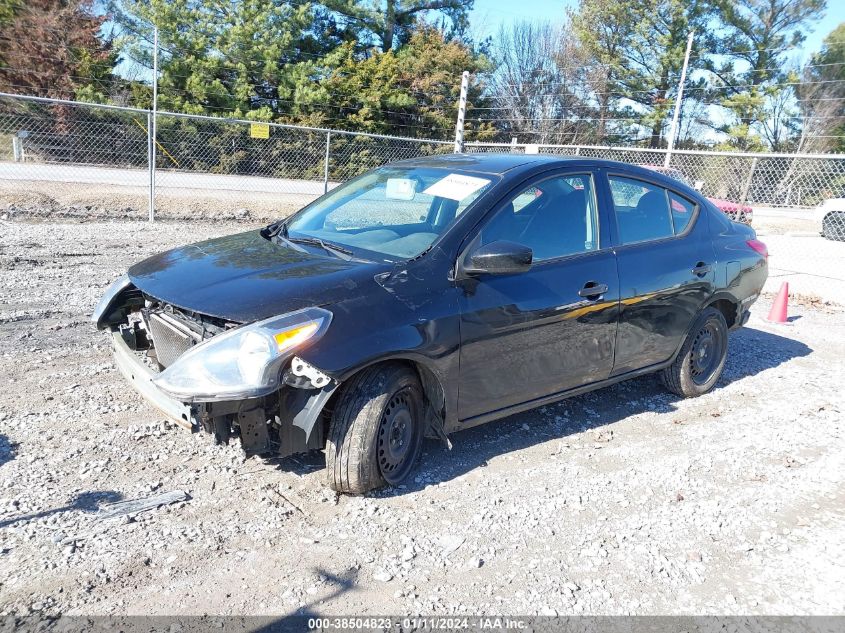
702,357
376,433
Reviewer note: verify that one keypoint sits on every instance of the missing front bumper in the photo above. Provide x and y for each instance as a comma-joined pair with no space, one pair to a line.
141,378
284,424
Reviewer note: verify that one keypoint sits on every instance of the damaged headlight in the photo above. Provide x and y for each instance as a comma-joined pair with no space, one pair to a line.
244,362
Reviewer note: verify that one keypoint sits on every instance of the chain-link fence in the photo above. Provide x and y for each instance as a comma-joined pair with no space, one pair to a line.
770,180
67,154
735,181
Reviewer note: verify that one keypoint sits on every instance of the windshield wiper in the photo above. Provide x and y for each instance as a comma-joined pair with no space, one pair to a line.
338,251
279,232
272,230
283,240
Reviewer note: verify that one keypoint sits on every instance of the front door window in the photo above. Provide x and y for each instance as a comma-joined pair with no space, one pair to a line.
555,217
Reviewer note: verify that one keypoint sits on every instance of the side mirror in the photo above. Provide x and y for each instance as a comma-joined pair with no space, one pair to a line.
498,258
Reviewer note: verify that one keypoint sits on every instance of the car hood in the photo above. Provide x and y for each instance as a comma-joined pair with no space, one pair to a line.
245,277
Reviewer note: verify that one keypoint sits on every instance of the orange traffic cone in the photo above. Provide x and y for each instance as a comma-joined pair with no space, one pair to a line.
778,312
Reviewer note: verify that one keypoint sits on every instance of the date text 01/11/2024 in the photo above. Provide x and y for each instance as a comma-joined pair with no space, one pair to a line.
418,623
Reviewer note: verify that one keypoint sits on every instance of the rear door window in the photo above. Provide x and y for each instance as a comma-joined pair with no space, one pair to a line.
646,212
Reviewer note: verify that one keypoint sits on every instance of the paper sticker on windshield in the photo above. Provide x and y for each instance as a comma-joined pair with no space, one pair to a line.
400,189
456,186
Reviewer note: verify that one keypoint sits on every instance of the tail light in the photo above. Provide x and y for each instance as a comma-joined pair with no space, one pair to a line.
758,246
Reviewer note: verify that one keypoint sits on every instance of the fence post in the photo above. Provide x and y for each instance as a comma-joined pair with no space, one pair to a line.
152,126
747,186
326,163
462,110
151,164
17,148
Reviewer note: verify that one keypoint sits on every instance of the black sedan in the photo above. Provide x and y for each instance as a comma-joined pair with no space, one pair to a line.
431,295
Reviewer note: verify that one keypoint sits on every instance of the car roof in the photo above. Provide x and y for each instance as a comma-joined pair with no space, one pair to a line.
500,164
483,163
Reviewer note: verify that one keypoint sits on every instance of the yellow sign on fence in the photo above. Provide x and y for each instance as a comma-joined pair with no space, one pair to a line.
259,130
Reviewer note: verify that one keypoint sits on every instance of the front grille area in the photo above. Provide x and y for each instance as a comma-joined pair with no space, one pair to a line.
170,339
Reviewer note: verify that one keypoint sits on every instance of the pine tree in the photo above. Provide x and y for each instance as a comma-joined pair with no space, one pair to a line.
53,48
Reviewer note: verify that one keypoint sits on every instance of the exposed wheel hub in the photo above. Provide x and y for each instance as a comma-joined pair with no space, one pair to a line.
395,436
705,353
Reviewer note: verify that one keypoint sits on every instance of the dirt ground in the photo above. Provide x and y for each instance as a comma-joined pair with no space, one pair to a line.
624,501
81,201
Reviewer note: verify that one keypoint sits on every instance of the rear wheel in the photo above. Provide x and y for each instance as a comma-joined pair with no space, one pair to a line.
376,434
702,357
833,226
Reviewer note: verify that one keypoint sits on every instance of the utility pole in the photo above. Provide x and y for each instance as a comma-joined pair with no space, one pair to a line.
152,126
462,110
673,130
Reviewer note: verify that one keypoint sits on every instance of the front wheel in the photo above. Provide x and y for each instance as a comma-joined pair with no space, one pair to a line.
702,357
376,433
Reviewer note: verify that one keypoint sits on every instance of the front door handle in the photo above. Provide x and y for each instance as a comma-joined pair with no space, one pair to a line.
701,269
592,290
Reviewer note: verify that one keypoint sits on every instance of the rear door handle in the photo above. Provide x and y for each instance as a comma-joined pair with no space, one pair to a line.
701,269
592,290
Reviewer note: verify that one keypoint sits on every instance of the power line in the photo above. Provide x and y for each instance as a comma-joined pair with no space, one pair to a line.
163,115
652,90
257,97
398,80
561,119
328,119
321,56
620,95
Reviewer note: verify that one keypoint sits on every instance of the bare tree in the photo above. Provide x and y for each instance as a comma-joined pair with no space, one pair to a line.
821,97
539,86
693,124
780,124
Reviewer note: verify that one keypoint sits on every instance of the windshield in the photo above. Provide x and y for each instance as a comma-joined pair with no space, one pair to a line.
395,211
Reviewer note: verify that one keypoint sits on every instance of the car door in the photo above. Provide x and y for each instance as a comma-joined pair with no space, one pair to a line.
553,327
666,269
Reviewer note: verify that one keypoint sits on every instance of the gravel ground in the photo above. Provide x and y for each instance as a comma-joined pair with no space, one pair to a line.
84,201
626,500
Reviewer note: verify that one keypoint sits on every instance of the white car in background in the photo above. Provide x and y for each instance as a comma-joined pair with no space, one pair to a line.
830,215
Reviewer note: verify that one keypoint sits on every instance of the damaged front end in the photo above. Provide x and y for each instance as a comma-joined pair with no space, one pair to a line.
289,421
225,378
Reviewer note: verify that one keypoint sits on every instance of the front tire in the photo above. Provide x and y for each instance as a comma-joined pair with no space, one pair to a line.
375,435
702,357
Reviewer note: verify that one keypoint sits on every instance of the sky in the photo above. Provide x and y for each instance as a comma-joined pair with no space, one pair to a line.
487,15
